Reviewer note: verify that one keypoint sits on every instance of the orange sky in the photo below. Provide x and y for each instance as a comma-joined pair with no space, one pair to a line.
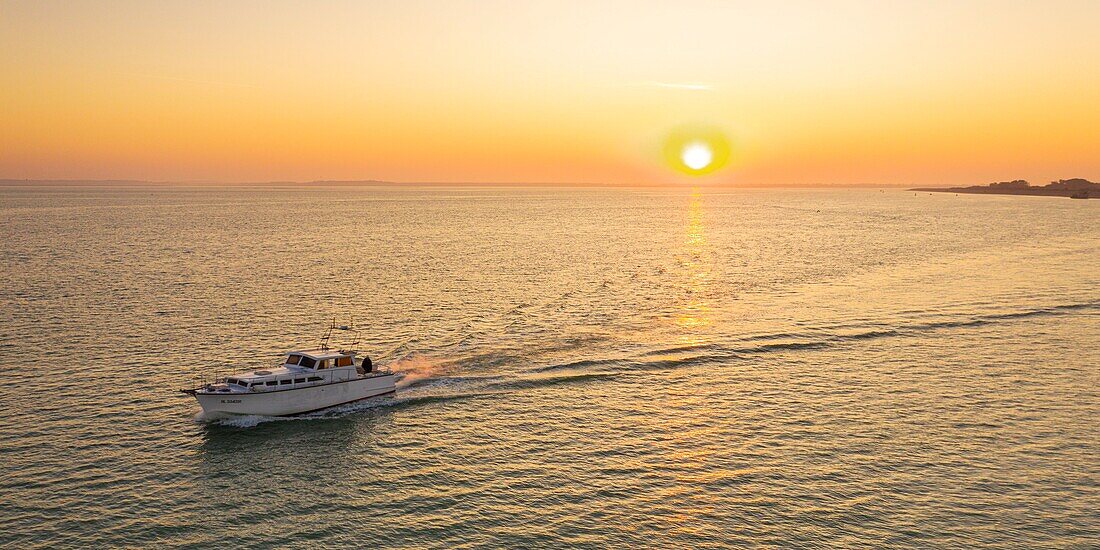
512,91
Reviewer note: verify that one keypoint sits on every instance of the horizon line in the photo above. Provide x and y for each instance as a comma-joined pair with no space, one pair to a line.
388,183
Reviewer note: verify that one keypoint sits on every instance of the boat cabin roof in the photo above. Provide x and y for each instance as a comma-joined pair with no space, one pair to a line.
320,354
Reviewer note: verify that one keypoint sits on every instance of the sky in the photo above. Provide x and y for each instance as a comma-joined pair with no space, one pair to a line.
800,92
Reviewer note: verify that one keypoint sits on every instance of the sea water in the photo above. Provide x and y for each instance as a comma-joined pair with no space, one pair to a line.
647,367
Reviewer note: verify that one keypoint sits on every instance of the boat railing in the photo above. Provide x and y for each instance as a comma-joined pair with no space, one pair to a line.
194,382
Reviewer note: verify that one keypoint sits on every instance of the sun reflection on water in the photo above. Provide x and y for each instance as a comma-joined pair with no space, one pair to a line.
686,460
696,312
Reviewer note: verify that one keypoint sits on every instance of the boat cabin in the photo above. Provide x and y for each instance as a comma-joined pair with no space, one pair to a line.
299,369
319,359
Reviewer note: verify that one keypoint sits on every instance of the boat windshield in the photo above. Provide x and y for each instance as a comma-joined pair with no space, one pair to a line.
308,362
293,359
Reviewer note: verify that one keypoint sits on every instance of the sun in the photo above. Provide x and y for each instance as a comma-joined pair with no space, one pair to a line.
697,150
697,155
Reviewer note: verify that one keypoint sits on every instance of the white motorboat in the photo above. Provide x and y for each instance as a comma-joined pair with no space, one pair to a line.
307,381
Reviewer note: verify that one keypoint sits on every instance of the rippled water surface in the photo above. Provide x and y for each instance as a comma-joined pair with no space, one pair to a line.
630,368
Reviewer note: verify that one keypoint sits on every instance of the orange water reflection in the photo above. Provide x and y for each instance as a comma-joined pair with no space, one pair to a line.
697,269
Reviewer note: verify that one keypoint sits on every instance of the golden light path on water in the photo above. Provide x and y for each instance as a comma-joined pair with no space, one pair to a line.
692,322
697,272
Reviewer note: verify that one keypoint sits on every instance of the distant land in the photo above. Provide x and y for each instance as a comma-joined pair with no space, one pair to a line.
1076,188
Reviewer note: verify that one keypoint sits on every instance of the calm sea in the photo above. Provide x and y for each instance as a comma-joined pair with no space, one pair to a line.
582,367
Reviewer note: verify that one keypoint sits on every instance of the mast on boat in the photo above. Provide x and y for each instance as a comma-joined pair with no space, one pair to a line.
327,336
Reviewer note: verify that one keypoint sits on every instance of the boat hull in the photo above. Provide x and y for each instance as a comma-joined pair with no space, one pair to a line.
295,401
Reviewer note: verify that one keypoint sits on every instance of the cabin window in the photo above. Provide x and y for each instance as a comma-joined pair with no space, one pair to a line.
293,359
343,361
299,380
308,362
254,384
323,364
285,382
315,378
272,383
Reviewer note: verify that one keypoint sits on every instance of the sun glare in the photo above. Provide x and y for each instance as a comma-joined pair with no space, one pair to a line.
697,150
697,155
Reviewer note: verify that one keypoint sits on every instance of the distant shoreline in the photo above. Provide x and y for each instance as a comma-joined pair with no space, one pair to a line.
1076,188
1037,192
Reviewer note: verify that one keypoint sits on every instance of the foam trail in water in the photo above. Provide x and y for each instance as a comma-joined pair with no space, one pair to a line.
250,421
411,370
234,421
